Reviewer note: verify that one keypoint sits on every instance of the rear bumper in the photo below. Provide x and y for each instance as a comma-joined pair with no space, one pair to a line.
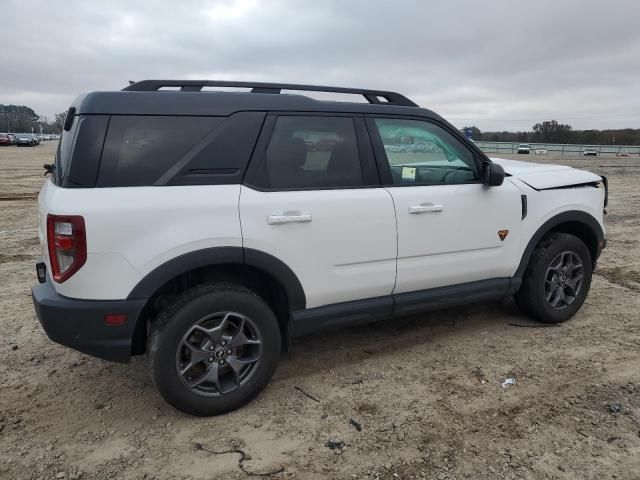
79,324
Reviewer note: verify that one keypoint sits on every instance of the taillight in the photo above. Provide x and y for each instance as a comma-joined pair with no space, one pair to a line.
67,241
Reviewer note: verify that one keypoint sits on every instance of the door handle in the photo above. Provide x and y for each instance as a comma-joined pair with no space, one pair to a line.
285,218
425,208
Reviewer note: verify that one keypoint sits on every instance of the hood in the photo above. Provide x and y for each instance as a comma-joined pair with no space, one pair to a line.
542,176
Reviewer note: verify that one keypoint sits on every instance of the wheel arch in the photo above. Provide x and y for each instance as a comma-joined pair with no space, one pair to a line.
265,274
574,222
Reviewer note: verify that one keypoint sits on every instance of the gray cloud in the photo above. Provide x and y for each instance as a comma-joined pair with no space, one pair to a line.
497,64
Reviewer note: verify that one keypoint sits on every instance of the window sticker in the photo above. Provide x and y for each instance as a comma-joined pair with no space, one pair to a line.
409,173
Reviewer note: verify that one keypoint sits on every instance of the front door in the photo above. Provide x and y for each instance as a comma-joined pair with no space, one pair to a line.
451,228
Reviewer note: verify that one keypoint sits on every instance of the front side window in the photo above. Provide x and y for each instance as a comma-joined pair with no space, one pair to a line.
423,153
312,152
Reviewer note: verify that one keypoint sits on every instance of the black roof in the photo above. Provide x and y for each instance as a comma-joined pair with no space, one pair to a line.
146,98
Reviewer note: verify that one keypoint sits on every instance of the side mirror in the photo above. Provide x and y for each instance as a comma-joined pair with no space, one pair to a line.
493,175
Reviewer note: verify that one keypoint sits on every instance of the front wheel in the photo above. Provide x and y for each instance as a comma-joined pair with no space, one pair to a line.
557,279
214,349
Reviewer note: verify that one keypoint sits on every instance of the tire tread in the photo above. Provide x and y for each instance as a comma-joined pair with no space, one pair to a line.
160,325
526,298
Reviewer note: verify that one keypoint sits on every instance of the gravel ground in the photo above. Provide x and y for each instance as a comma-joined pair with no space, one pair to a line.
426,391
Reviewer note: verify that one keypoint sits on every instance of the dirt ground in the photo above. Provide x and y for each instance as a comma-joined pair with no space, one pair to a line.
426,390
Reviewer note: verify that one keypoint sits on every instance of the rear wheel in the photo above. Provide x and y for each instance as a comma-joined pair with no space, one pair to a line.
557,280
214,349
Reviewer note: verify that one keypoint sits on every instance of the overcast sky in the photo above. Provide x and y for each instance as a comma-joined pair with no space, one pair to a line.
496,64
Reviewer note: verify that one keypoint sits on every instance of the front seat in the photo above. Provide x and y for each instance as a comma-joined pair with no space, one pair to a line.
343,168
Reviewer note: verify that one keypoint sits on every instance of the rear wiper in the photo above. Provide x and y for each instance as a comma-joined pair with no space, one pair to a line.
49,168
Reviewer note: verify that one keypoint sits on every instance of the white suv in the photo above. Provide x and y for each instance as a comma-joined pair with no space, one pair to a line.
524,148
208,229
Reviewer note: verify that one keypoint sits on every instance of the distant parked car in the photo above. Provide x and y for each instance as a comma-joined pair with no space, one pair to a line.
26,141
524,148
5,140
589,152
540,151
13,138
623,154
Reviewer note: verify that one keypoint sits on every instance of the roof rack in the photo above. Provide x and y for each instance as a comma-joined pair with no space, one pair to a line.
372,96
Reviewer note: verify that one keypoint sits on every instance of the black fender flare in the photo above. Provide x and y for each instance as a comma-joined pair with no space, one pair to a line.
223,256
569,216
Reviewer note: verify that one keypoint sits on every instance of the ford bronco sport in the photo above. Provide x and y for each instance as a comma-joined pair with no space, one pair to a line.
209,228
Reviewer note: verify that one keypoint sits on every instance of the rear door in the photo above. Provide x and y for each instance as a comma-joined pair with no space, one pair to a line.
451,228
312,199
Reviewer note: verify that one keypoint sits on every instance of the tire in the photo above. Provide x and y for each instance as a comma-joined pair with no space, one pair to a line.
546,276
178,342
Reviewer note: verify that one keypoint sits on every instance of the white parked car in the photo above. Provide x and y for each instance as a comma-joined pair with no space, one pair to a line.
590,152
540,151
524,148
209,229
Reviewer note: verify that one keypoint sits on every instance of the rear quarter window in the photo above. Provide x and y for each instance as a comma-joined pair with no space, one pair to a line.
138,150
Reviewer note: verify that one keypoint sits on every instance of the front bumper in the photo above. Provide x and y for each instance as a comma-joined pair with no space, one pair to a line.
80,324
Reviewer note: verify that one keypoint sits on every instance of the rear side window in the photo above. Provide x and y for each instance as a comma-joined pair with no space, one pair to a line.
139,150
312,152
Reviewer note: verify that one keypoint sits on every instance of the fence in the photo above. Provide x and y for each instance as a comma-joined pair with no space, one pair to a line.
558,148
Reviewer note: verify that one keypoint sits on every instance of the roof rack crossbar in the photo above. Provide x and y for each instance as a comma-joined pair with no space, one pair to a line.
372,96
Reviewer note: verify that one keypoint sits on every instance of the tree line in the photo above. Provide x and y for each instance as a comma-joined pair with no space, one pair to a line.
553,132
22,119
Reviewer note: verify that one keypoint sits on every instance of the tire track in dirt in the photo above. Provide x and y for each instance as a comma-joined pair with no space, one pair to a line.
624,277
18,196
18,257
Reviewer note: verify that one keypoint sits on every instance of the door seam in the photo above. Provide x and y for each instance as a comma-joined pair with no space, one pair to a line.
395,216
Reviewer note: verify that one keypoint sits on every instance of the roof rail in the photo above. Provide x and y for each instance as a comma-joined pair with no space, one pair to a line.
372,96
